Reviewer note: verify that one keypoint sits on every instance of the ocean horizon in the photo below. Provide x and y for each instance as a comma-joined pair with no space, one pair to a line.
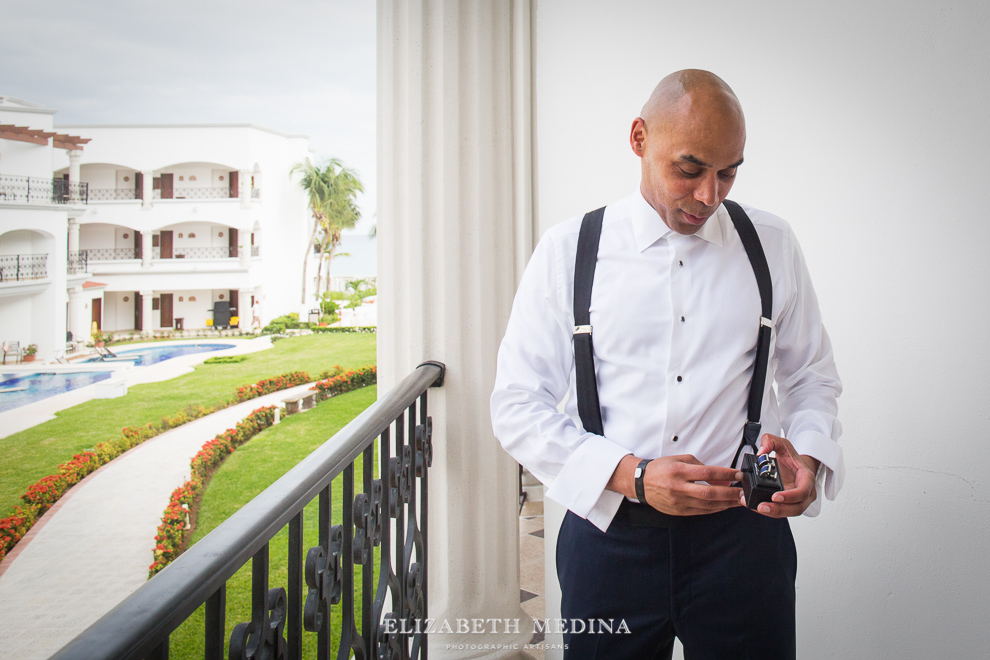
357,256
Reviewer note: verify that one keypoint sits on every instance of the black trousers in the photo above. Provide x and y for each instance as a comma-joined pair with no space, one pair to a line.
722,583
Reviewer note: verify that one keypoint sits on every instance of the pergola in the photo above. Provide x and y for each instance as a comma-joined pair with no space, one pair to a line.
37,136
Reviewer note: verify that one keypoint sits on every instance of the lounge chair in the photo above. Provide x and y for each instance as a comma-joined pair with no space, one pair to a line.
12,348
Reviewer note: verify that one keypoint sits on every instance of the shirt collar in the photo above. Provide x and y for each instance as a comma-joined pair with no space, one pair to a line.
649,227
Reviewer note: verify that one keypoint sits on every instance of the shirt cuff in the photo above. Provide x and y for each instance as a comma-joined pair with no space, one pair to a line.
581,483
831,473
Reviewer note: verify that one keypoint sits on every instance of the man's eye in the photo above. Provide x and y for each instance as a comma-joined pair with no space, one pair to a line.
687,173
728,175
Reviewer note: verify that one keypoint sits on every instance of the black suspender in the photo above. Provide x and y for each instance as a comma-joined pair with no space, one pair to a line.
584,352
585,261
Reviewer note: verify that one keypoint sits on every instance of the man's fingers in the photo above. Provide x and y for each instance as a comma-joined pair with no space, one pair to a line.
804,486
707,493
709,473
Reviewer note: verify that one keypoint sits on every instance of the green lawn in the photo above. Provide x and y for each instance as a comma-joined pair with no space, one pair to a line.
34,453
247,472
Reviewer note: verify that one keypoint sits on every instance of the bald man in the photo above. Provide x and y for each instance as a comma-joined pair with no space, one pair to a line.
657,535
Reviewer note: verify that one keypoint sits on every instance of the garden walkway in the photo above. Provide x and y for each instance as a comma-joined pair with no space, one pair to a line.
93,547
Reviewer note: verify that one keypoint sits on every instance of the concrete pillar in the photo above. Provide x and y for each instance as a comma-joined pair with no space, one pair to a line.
149,321
244,307
455,213
146,242
244,247
75,155
244,183
79,322
73,246
147,185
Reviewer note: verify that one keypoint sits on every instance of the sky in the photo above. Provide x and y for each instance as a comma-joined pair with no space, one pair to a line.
294,66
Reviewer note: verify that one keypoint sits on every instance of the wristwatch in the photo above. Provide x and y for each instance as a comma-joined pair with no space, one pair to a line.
638,481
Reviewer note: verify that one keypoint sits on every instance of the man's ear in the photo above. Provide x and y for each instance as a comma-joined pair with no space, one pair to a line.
637,136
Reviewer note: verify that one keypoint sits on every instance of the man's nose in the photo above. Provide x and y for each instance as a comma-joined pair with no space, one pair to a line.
707,191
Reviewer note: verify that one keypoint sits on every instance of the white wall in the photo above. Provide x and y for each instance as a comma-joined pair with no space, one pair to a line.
867,132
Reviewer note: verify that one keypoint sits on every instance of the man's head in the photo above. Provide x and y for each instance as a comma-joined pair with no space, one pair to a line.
690,137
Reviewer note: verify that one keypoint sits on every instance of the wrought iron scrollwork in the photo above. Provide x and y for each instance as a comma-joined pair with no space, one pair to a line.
324,579
264,639
413,605
367,522
389,638
424,446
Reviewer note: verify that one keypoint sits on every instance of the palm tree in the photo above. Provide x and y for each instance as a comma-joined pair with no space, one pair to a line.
331,189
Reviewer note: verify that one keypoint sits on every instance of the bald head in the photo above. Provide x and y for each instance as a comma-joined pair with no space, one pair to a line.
691,91
691,138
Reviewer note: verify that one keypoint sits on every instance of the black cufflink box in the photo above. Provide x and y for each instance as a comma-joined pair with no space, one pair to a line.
761,479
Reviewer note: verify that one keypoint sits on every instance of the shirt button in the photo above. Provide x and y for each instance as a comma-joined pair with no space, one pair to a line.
679,379
675,438
682,319
680,263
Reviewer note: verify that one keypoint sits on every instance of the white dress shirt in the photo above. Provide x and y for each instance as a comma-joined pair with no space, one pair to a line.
675,320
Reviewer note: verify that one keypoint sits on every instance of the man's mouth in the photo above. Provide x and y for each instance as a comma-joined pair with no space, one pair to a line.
694,219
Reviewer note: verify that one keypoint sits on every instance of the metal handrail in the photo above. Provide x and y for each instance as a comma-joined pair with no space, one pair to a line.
139,626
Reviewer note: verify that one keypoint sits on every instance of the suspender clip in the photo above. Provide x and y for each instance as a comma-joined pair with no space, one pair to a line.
582,330
764,321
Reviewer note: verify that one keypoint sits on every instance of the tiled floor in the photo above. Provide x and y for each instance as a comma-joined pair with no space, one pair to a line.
531,584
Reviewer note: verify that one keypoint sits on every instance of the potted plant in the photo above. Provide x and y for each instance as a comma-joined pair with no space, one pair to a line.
29,352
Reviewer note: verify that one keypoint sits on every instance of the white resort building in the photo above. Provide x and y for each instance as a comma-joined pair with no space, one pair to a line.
40,274
144,228
189,226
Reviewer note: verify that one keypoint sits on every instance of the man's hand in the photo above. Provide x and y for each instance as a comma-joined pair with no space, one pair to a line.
797,473
672,485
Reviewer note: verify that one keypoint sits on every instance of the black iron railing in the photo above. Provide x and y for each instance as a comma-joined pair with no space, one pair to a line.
111,254
77,262
221,192
205,252
20,267
33,190
112,194
390,513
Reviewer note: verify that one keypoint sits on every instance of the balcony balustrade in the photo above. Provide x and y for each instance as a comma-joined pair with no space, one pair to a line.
22,267
389,513
111,254
77,262
219,192
218,252
112,194
33,190
255,250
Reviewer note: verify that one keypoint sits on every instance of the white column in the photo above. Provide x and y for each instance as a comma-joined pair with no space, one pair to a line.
244,183
146,243
244,307
244,247
147,185
455,213
75,155
149,322
79,323
73,235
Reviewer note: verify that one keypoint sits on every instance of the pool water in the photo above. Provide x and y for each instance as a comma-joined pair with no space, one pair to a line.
155,354
41,386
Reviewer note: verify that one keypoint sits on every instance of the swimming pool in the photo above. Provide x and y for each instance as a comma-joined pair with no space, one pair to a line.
155,354
20,390
41,386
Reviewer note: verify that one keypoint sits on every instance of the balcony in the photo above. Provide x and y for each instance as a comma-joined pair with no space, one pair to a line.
77,262
383,531
23,267
222,192
32,190
112,194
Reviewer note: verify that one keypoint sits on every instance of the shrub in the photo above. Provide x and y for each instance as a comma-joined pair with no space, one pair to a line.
226,359
168,540
346,382
269,385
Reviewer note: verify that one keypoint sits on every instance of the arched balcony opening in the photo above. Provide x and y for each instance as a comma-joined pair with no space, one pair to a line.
198,181
24,255
100,242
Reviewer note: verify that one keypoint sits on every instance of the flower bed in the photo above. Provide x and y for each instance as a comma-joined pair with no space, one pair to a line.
43,494
168,541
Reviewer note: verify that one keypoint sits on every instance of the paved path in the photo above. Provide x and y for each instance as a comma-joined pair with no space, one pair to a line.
93,548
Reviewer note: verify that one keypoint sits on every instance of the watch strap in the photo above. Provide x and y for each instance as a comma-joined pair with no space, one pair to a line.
638,480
